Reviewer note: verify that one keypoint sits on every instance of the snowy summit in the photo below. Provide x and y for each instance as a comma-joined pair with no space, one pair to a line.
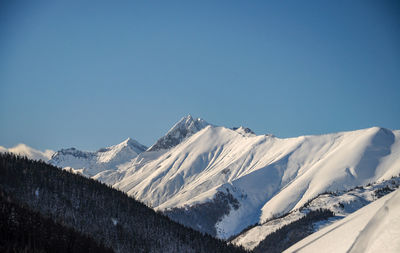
185,127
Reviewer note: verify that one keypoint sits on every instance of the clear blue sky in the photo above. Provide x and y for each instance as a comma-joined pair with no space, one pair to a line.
89,74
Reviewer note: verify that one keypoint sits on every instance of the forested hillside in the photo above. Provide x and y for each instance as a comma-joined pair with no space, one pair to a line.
22,230
92,208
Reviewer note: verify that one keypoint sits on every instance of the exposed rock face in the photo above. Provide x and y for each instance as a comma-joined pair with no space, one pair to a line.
243,130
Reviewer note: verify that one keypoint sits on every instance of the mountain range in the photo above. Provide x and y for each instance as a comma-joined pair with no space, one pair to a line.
221,180
104,159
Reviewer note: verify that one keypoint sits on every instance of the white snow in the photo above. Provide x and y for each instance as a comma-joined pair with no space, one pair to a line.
31,153
373,228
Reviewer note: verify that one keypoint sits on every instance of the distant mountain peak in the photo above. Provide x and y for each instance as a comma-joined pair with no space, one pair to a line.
103,159
189,123
184,128
29,152
129,140
189,116
135,145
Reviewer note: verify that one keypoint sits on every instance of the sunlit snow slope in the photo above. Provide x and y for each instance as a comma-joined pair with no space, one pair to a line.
267,175
373,228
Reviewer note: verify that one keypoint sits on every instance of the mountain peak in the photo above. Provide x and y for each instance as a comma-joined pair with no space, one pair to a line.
135,145
184,128
190,123
129,141
25,150
188,117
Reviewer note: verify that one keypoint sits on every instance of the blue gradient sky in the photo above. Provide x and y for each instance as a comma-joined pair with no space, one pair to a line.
91,74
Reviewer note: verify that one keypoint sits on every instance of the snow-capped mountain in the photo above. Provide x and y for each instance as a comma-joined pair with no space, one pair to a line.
91,163
220,180
184,128
373,228
31,153
242,179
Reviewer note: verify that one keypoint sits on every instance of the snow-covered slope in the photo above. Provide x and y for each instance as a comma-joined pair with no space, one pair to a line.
373,228
266,175
31,153
91,163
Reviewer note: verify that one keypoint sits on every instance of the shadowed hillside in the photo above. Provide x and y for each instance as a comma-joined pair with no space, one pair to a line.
92,208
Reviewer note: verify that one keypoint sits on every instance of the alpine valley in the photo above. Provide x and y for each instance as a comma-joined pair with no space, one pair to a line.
245,188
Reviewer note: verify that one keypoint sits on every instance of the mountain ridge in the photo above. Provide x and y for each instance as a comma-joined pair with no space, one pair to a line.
164,177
